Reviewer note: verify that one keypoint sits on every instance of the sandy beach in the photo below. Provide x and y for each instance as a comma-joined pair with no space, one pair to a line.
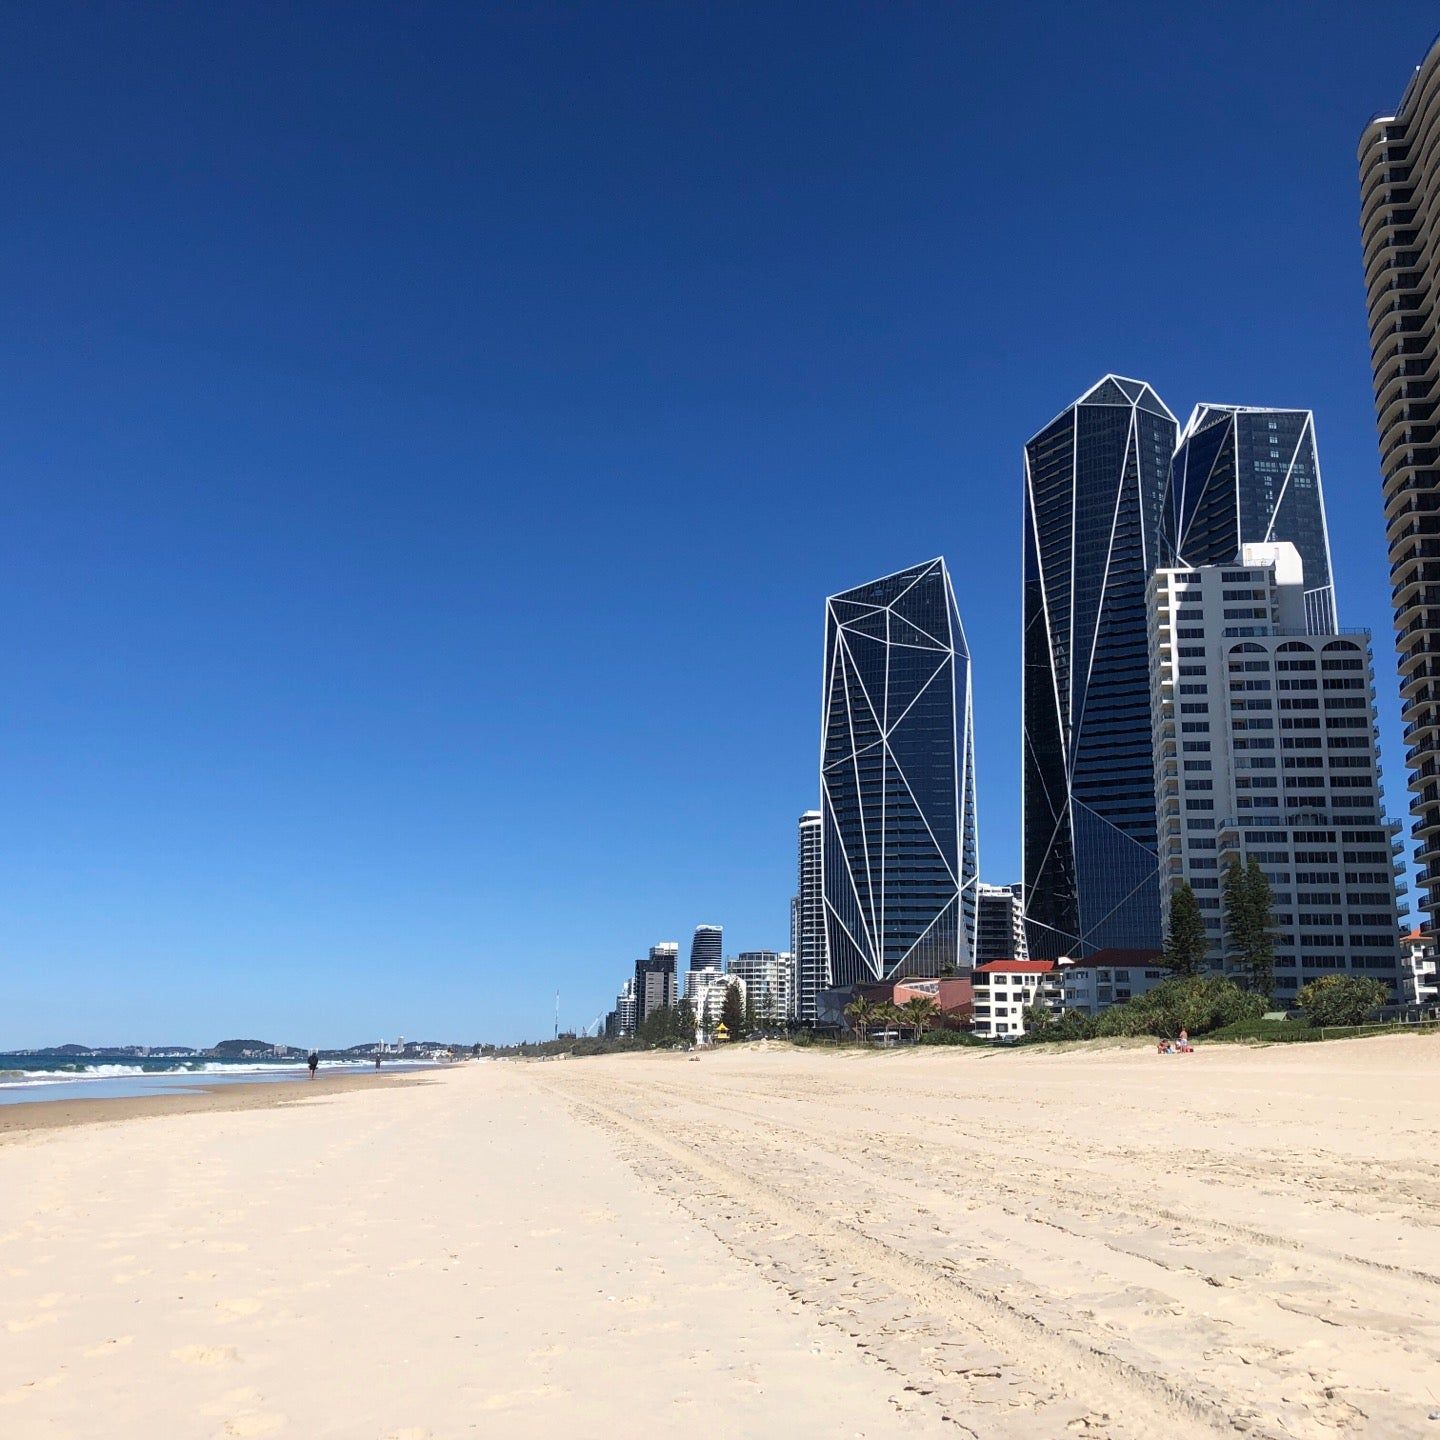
1101,1243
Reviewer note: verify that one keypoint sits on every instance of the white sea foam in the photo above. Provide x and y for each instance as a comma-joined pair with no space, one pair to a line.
80,1071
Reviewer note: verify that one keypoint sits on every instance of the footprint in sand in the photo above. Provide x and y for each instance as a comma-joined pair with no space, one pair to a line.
225,1247
251,1427
240,1308
15,1326
108,1347
206,1355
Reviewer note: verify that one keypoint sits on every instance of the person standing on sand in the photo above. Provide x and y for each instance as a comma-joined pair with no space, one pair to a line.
377,1062
314,1063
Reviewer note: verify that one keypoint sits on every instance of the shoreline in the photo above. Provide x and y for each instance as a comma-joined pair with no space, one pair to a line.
30,1117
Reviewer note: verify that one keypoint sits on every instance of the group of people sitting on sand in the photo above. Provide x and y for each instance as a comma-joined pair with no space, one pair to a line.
1182,1046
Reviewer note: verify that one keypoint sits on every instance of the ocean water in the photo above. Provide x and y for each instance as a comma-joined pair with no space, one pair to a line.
28,1078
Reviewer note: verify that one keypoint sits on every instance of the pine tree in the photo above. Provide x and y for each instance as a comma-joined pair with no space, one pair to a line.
1186,941
1260,907
1250,923
685,1021
732,1013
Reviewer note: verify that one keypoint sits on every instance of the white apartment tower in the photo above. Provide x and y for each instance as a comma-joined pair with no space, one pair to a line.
807,921
1265,748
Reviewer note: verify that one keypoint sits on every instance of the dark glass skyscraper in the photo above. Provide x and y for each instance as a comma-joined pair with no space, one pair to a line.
1244,475
897,780
705,947
1094,478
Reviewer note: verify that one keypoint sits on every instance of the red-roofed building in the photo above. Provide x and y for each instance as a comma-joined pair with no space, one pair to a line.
1004,989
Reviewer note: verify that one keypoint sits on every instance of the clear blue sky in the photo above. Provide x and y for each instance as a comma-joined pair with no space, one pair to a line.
429,433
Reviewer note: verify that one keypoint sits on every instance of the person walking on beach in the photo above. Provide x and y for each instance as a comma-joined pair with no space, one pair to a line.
314,1063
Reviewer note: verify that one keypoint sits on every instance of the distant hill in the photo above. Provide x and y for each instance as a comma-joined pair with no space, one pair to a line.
239,1047
65,1050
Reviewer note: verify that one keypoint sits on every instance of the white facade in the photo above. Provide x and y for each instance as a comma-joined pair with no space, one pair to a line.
705,990
1092,987
807,928
1424,980
1004,989
1265,748
768,979
625,1022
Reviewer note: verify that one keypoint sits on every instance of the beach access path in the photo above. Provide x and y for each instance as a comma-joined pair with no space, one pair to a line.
768,1242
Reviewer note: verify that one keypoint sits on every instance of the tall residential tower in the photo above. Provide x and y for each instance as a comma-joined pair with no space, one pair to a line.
807,922
1094,480
1400,231
706,947
897,780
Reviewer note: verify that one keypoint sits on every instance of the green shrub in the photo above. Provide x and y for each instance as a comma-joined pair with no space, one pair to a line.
1340,999
948,1037
1072,1025
1197,1003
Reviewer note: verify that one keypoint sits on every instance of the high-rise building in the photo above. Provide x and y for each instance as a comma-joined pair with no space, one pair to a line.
1243,474
655,981
1400,226
766,974
999,923
1094,479
624,1012
706,947
1265,750
807,922
897,780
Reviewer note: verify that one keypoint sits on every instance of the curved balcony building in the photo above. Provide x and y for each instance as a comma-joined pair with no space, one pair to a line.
1399,158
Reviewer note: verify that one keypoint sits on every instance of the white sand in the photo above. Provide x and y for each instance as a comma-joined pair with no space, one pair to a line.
761,1244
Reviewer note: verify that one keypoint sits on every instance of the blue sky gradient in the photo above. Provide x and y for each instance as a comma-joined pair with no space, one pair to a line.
430,432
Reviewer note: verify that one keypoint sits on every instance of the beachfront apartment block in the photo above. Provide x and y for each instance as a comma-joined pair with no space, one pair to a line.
999,923
1420,961
768,977
1109,977
1265,748
706,990
1005,989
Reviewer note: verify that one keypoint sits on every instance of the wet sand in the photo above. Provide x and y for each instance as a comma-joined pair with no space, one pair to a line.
20,1117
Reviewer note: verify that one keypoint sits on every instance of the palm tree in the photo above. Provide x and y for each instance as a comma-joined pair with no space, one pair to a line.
861,1014
886,1016
918,1012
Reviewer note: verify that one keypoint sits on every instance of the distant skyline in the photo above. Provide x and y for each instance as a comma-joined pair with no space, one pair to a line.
431,433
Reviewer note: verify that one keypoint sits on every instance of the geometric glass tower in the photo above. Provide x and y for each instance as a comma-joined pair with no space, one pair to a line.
897,780
1400,235
1249,476
1094,478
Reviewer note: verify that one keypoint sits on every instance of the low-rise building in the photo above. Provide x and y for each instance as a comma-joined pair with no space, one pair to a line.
1110,977
705,990
1424,979
1005,989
